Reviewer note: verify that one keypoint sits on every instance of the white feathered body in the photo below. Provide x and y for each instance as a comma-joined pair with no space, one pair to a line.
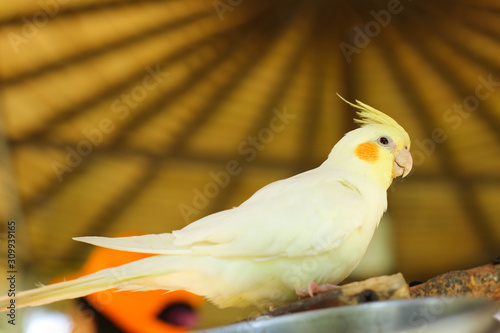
316,238
238,257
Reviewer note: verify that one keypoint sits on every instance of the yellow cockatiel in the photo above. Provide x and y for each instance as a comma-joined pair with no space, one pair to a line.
292,236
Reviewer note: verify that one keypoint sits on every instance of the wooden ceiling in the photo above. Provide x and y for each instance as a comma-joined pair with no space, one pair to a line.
124,115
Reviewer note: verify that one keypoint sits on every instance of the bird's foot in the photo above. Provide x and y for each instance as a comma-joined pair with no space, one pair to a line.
314,289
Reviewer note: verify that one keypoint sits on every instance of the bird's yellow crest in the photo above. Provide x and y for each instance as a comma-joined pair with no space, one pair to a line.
371,116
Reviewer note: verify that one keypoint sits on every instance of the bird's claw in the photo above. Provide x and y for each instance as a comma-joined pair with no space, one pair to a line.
314,289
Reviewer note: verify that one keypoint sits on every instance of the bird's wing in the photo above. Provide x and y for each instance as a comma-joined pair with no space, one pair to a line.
307,214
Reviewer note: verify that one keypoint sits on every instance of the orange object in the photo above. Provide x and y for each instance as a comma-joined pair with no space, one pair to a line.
137,311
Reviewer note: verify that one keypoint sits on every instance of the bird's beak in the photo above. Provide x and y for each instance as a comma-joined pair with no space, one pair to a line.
403,163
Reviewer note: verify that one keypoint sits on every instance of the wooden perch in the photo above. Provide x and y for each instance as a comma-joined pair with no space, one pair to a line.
483,281
374,289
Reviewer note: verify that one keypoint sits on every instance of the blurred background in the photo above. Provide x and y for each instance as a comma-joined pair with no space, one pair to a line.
143,116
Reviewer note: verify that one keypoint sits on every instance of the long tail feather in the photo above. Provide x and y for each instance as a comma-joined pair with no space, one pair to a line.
152,244
122,276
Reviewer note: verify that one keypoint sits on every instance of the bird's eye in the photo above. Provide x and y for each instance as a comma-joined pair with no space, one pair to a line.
383,140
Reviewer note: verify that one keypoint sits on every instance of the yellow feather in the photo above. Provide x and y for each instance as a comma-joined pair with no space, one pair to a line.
371,116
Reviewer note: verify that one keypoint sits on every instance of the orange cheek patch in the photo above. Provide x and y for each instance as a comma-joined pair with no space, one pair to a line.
367,151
